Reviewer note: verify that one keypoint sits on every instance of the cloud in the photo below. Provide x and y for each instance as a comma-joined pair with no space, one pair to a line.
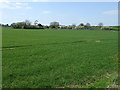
14,5
111,12
17,3
28,7
46,12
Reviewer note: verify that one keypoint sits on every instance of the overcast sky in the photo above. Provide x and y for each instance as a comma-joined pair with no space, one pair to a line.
66,13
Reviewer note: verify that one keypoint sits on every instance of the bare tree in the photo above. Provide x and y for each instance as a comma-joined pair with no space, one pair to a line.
36,22
54,24
87,24
27,22
100,24
73,26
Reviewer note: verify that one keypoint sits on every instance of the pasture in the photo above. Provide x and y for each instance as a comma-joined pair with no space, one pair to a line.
59,58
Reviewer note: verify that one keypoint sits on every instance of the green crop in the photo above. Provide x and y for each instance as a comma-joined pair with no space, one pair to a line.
58,58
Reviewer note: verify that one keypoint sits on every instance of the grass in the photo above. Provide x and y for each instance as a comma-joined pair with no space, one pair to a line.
58,58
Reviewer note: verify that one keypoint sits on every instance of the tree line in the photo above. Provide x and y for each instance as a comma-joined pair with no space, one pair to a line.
54,25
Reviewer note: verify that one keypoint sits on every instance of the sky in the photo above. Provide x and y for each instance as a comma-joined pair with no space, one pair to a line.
66,13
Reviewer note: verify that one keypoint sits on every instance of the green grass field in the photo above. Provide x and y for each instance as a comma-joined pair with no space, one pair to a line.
59,58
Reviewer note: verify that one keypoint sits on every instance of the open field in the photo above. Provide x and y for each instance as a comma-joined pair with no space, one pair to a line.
59,58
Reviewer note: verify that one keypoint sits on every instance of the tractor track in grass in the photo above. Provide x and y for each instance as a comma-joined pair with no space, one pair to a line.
13,47
23,46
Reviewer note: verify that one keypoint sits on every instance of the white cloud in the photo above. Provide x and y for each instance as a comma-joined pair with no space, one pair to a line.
17,3
14,5
111,12
28,7
46,12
